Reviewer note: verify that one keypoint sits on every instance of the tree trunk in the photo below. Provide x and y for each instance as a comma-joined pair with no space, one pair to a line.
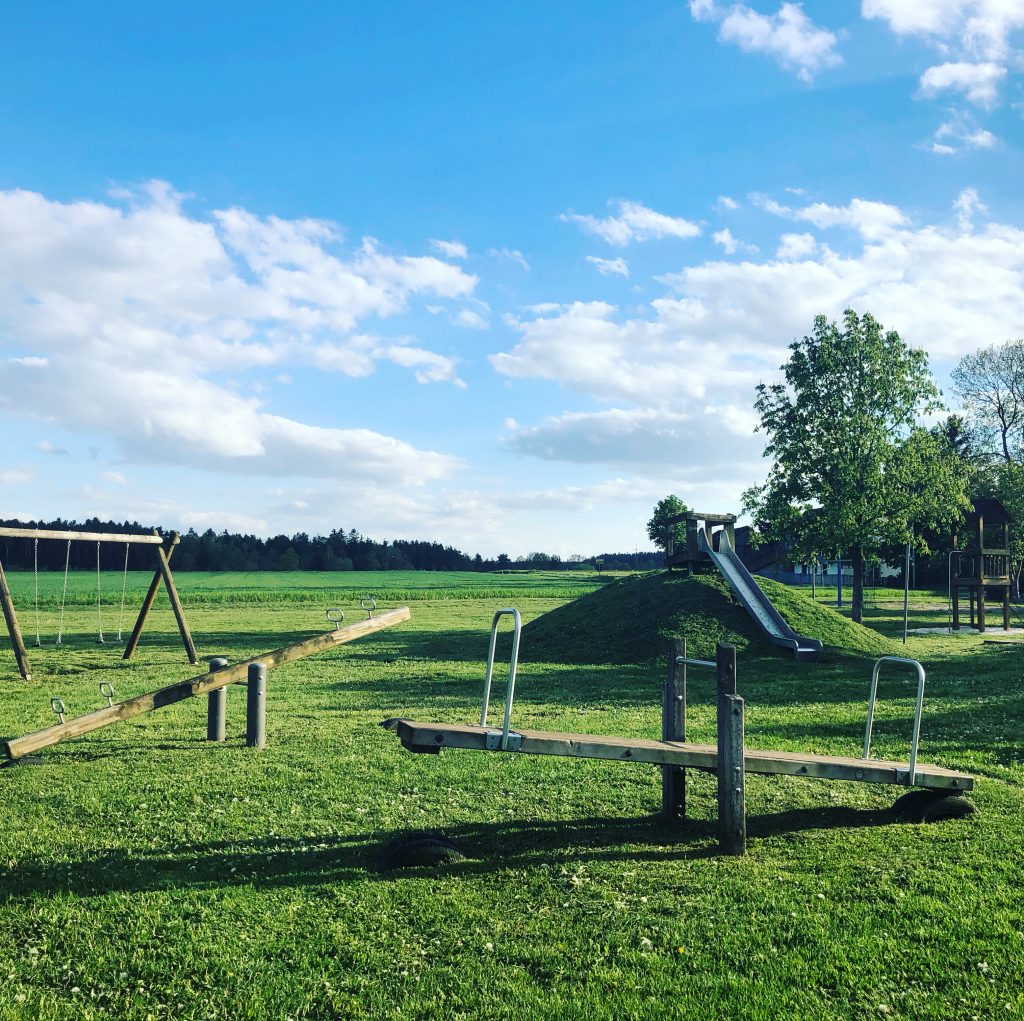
858,583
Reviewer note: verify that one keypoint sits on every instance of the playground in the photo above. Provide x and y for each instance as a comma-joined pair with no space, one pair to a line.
149,872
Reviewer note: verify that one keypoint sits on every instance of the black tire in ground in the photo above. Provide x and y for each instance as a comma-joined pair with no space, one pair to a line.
907,807
420,848
949,807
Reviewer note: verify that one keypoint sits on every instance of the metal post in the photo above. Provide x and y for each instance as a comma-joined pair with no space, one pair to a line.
732,819
256,707
673,728
217,706
906,592
839,583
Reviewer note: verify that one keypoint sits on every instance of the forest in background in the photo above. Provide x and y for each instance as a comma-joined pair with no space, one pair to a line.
339,551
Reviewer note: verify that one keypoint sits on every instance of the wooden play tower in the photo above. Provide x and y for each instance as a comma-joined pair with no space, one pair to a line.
690,555
983,564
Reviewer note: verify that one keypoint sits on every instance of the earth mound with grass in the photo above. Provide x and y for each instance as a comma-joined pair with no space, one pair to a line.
630,620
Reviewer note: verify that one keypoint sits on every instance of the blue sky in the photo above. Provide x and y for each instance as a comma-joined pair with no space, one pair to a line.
497,276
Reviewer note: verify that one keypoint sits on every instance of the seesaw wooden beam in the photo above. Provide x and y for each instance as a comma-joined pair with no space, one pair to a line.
18,747
432,737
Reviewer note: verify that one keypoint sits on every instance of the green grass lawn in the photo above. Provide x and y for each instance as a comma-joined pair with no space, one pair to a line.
147,874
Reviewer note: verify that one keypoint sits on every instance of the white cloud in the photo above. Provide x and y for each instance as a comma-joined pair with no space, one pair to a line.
512,254
450,249
609,267
788,36
635,222
961,132
793,247
724,326
46,447
470,319
16,476
724,202
978,82
981,27
639,439
729,244
359,355
872,220
134,313
116,477
967,205
428,367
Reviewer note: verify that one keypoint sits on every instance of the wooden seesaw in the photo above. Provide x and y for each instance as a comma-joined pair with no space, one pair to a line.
935,794
214,681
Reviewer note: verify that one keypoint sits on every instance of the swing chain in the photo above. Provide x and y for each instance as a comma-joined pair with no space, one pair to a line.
63,595
100,640
124,589
35,574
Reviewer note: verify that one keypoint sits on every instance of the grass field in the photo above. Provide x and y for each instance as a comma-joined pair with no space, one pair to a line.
146,874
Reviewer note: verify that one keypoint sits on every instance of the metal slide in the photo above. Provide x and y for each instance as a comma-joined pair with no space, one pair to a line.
756,603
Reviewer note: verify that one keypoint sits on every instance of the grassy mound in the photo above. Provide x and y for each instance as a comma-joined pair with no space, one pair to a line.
630,620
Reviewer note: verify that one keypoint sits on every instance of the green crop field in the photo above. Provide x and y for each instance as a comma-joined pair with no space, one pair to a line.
148,874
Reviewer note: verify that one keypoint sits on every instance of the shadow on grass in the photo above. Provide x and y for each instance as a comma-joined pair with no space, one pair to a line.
269,863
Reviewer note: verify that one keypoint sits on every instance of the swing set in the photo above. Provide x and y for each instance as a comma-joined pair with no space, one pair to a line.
164,550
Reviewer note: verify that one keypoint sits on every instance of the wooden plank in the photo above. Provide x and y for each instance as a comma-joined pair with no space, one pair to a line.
201,685
430,737
709,519
163,565
43,533
17,642
673,728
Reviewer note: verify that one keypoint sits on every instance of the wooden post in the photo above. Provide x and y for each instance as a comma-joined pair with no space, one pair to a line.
981,609
673,728
217,706
956,604
256,707
17,747
172,594
732,822
17,642
163,573
147,605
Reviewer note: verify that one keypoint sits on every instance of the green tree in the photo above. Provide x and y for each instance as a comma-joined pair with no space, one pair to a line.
990,385
853,474
662,534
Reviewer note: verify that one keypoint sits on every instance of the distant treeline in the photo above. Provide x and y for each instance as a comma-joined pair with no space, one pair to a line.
226,551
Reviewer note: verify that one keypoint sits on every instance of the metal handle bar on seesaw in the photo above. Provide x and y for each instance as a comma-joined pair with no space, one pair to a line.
915,739
512,665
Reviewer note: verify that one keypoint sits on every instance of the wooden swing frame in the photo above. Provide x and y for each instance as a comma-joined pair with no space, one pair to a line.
164,552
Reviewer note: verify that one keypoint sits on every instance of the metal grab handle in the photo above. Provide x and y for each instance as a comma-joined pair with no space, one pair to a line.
336,615
512,665
369,605
57,706
915,739
684,661
107,691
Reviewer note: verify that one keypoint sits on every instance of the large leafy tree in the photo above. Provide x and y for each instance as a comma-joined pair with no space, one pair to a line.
853,474
662,534
990,385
